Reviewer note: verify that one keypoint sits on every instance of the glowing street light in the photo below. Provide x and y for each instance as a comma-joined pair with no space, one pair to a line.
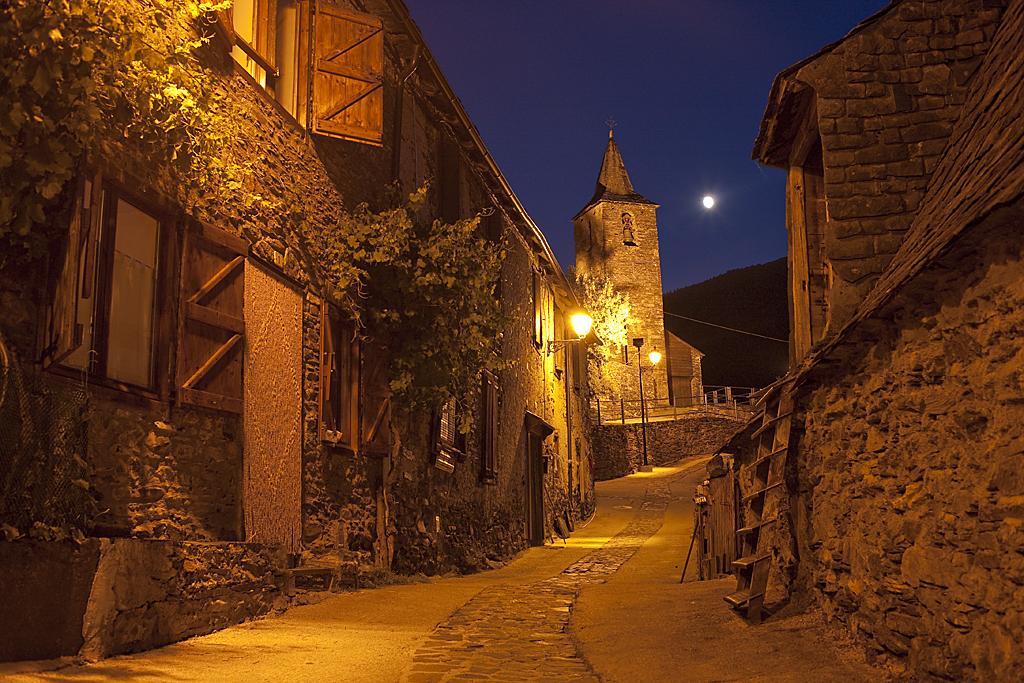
581,323
708,201
654,357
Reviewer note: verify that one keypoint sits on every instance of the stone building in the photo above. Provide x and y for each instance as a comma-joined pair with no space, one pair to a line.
616,237
215,430
685,376
894,500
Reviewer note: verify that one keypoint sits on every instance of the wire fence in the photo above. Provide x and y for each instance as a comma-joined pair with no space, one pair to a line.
43,471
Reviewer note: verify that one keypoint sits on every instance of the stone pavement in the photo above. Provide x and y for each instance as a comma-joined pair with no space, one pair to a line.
516,633
607,606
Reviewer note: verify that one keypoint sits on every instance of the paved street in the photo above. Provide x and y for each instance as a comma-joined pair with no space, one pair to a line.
607,605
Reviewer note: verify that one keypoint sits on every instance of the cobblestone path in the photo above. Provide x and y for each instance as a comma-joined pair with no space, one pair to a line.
516,633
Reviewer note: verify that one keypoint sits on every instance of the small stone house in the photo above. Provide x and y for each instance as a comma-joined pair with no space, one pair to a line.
685,377
211,427
894,498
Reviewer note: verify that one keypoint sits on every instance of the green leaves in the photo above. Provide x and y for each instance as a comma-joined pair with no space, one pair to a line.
81,72
424,292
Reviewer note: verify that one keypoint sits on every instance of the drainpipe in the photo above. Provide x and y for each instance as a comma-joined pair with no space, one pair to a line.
569,378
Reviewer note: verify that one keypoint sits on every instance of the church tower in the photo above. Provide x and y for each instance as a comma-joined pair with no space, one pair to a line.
617,238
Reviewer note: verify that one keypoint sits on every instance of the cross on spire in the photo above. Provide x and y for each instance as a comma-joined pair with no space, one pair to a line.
611,123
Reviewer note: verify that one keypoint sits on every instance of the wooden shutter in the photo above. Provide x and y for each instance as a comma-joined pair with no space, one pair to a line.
328,365
538,309
489,426
374,403
75,280
448,180
212,328
348,74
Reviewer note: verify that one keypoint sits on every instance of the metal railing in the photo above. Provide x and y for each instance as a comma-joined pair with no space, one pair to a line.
731,402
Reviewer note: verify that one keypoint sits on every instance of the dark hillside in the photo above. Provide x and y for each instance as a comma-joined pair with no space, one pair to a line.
752,299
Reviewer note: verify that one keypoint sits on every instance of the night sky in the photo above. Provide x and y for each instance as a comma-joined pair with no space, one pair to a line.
685,80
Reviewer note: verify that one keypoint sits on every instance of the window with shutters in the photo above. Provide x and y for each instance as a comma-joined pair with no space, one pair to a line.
339,380
107,313
264,37
348,75
489,428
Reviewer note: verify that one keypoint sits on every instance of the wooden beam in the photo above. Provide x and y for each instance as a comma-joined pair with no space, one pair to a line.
799,273
224,239
349,71
218,277
212,361
209,316
206,399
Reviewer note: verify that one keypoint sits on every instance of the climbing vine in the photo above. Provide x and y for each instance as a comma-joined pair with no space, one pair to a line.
425,293
77,73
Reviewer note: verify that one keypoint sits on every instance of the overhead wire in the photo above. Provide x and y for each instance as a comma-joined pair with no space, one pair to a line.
730,329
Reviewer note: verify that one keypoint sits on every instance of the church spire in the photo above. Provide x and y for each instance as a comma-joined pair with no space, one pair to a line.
613,181
613,177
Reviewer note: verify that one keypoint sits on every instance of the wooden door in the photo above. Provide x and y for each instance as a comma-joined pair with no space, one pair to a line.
272,478
535,488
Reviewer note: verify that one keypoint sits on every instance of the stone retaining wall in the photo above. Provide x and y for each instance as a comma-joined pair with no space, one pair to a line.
112,596
618,449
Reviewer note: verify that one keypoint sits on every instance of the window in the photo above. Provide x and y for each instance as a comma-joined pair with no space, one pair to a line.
339,379
252,37
489,428
263,38
104,321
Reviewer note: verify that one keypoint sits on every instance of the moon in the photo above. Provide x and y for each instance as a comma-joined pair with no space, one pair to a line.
708,201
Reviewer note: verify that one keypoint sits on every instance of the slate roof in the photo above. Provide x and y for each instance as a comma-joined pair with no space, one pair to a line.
981,171
613,183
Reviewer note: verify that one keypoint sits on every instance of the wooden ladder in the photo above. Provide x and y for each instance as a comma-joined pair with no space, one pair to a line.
760,504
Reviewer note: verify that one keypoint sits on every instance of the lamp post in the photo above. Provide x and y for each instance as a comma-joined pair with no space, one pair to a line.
655,358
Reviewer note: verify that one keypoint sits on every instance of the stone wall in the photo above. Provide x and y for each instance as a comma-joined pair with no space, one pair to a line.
163,472
910,475
887,98
107,597
619,448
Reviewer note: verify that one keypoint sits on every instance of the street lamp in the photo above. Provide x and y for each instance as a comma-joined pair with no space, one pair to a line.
581,323
654,357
